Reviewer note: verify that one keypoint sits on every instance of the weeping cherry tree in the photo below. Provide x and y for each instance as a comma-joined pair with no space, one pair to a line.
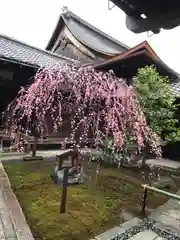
96,104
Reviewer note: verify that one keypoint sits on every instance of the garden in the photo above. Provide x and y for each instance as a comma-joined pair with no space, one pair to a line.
92,207
114,115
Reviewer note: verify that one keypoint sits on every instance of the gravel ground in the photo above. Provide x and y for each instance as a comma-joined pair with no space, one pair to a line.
145,225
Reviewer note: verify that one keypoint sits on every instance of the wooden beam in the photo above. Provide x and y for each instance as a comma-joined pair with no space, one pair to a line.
165,193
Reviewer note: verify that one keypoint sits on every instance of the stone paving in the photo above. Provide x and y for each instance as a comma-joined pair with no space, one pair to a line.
166,163
6,156
19,156
13,224
7,231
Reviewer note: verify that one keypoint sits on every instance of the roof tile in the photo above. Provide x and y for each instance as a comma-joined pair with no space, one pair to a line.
176,88
23,53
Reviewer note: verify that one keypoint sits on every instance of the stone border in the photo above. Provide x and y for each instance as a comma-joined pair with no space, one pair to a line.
147,225
15,211
120,230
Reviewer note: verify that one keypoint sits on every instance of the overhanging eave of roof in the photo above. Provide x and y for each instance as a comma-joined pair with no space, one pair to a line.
55,33
142,48
139,47
4,59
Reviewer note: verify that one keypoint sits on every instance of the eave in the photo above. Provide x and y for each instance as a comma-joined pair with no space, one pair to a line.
142,49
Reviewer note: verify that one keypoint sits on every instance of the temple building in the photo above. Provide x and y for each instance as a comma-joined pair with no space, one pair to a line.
75,38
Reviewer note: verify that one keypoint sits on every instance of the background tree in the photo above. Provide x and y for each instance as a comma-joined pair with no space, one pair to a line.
158,103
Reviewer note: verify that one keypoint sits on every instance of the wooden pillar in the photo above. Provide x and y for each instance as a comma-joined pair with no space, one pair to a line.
144,202
64,192
34,147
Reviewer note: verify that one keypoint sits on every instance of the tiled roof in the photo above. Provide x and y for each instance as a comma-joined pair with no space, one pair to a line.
142,50
23,53
176,88
20,52
87,34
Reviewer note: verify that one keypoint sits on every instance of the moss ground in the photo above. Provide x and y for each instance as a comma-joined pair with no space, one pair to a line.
91,208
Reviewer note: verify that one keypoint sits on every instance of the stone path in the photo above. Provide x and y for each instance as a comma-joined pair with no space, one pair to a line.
6,156
17,155
13,224
166,163
7,231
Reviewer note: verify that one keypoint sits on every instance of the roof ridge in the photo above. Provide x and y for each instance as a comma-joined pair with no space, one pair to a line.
66,11
36,48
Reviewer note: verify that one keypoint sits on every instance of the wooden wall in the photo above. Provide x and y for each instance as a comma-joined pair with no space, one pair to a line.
67,45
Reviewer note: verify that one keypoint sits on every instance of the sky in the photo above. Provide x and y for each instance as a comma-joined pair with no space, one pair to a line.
34,21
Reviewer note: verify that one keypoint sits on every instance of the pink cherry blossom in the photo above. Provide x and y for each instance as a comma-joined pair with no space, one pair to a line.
96,104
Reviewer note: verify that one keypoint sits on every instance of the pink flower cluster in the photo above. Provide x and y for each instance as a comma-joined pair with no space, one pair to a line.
96,104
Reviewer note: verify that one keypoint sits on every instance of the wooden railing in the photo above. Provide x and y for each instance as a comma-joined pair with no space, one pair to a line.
156,190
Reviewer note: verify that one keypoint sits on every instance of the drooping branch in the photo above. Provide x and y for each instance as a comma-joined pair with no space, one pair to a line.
96,103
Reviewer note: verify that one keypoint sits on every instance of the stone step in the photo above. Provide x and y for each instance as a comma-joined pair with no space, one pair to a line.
146,235
111,233
167,229
168,222
137,229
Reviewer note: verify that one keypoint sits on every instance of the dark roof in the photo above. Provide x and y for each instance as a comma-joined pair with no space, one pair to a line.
87,35
125,65
176,88
20,52
142,49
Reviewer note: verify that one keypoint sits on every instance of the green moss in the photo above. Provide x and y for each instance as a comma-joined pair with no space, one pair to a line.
91,208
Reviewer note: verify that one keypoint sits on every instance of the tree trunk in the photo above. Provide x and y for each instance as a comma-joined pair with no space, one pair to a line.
122,161
123,158
75,158
143,163
34,147
1,145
